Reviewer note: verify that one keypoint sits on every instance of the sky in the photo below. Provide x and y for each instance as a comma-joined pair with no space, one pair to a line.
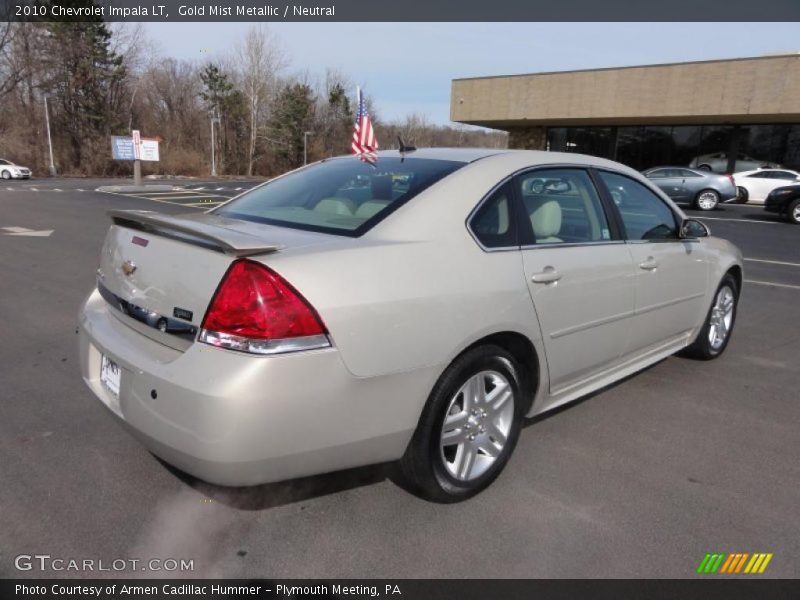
407,67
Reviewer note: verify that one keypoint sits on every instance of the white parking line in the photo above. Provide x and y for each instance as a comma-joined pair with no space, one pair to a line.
739,220
197,204
773,262
773,284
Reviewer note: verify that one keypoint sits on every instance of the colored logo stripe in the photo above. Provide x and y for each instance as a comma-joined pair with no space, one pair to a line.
734,563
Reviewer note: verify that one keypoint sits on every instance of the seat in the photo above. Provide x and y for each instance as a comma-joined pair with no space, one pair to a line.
371,207
545,215
336,206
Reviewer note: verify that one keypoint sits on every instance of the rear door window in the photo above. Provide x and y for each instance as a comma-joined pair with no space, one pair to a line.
562,206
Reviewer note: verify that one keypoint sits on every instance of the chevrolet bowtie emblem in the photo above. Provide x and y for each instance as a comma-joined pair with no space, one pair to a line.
128,267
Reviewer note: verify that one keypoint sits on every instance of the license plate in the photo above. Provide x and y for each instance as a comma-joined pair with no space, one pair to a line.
110,375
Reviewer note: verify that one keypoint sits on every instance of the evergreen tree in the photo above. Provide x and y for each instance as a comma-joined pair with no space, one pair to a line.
292,115
87,80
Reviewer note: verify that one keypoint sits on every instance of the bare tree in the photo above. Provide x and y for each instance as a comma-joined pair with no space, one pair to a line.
10,70
260,60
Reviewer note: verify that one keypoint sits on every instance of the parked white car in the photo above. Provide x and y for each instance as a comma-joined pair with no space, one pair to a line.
755,186
315,323
8,170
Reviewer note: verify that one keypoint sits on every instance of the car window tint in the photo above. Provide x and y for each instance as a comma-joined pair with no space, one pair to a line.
657,173
687,173
562,206
782,175
644,214
494,224
760,175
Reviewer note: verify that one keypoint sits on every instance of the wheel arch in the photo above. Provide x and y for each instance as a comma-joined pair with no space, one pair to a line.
525,353
738,276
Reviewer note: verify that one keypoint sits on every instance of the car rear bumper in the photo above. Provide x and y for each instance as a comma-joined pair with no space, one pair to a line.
234,419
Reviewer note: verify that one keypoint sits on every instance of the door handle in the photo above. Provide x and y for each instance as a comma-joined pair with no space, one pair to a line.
548,275
649,264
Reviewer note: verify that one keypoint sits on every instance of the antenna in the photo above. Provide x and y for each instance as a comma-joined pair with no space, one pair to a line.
403,148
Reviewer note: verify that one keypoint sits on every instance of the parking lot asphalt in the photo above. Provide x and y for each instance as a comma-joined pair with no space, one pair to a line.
640,480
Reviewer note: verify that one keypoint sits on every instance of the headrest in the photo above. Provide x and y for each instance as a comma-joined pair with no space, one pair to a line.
336,206
371,207
545,217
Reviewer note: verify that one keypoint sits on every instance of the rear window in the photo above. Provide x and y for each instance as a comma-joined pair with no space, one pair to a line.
343,196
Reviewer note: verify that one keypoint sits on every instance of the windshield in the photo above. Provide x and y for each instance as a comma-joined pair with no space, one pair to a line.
343,196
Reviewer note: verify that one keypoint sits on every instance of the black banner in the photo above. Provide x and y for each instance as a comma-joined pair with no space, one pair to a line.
406,589
403,10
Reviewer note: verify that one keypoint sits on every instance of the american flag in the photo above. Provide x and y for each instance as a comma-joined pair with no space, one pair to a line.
364,143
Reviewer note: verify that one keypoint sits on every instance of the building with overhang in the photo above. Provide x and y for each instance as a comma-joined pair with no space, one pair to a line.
726,115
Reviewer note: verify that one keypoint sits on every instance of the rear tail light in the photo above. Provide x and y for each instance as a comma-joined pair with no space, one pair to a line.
256,310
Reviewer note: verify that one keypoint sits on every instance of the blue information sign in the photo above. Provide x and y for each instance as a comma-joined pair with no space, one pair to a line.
122,148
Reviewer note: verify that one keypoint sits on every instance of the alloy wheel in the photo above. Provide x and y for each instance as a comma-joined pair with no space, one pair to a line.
721,317
477,425
707,200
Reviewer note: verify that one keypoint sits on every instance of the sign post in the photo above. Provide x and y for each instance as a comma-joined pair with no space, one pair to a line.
137,154
137,149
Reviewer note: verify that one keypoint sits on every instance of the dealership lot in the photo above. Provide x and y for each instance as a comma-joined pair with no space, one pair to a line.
640,480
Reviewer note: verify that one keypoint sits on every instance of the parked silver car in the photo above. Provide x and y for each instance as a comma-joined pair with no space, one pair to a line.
702,190
344,314
718,163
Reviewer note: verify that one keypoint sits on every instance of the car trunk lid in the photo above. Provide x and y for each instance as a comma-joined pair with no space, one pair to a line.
160,271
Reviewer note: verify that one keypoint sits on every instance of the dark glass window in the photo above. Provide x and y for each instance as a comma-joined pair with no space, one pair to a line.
494,223
342,195
645,215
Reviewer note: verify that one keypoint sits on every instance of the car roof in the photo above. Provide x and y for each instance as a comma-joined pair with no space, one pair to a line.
465,155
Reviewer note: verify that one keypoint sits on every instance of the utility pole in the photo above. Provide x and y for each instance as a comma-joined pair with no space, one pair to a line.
214,120
49,139
305,146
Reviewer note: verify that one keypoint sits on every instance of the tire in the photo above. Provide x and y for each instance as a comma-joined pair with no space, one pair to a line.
703,348
443,472
706,200
742,195
704,167
793,212
6,175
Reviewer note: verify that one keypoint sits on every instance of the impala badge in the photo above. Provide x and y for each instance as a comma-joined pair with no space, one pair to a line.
128,267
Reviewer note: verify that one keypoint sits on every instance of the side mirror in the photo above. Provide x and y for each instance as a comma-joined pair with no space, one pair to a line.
693,229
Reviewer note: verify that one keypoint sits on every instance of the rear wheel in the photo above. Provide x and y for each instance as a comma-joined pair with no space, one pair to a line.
793,212
469,427
716,332
704,167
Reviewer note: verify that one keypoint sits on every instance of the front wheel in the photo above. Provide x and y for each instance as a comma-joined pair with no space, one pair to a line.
742,195
6,175
707,200
469,427
716,332
793,212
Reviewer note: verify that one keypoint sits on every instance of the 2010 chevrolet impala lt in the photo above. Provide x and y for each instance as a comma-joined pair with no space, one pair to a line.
346,314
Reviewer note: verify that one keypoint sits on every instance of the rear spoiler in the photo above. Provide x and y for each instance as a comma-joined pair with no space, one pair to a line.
203,229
